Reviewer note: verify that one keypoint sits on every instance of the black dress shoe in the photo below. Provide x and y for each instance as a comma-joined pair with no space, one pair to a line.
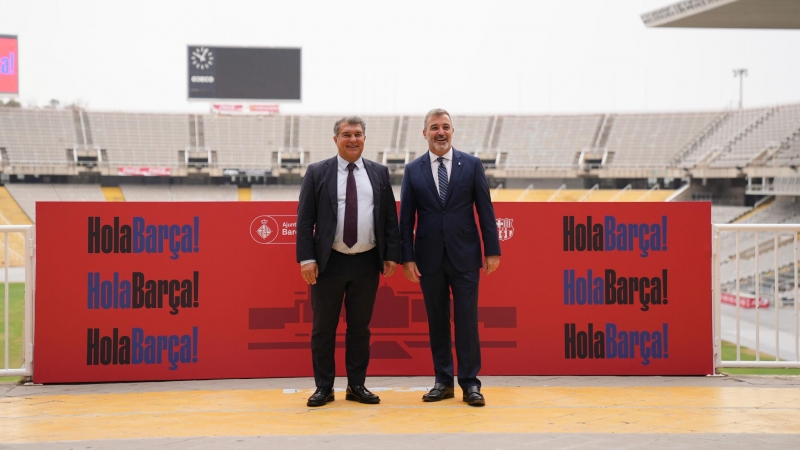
440,391
359,393
473,396
321,396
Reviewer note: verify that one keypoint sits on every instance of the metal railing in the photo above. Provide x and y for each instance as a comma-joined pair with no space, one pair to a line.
752,256
27,329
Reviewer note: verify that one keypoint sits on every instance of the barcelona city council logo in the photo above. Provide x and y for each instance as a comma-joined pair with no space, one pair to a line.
264,229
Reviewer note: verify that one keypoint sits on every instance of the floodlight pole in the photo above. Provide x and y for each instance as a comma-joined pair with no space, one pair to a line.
741,73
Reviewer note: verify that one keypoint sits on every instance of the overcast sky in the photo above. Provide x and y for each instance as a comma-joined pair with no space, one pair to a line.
470,57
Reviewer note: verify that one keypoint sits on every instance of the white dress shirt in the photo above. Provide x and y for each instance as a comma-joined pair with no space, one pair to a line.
448,165
366,206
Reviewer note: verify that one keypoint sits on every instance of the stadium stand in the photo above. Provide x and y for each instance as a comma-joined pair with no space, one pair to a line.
725,214
720,134
141,139
765,136
26,195
663,148
180,193
136,193
315,136
546,141
787,183
789,154
471,133
777,211
275,193
652,140
36,137
244,142
381,134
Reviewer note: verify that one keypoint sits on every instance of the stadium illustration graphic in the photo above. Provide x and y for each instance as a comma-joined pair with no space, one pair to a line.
399,323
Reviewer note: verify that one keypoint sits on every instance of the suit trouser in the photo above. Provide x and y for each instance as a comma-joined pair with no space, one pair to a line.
353,279
436,289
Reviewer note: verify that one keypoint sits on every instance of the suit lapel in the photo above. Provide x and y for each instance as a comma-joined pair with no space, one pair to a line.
455,171
333,183
372,173
428,175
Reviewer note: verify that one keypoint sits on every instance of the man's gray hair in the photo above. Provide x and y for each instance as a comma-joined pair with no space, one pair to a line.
350,120
436,112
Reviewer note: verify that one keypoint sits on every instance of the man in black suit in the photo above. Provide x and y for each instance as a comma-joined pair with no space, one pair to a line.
442,190
346,236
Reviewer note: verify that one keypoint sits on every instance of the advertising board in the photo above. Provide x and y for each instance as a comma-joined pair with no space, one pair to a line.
168,291
9,65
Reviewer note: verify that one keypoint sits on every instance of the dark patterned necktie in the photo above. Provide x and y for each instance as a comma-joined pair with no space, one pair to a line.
351,209
442,179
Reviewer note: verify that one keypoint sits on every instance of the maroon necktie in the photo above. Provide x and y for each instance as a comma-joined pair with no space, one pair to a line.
351,209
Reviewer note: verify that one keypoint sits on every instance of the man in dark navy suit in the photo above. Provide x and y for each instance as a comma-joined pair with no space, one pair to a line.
346,236
441,191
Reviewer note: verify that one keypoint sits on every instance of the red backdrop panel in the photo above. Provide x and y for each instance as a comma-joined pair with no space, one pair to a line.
233,304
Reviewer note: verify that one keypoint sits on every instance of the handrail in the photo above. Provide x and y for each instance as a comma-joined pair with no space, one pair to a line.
555,194
525,192
586,195
649,191
754,326
28,311
618,194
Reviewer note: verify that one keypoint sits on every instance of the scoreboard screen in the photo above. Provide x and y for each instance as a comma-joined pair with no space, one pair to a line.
9,65
244,73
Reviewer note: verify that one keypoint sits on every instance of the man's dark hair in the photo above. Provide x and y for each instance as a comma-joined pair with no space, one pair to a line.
350,120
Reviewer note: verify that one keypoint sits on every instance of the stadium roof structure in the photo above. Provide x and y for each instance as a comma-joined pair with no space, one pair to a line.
775,14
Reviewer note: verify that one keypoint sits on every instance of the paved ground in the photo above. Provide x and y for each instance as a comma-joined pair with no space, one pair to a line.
549,412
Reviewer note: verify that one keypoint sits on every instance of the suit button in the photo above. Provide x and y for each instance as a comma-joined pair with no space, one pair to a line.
443,212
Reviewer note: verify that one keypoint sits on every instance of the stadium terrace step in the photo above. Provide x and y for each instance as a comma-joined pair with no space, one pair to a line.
113,194
12,214
755,211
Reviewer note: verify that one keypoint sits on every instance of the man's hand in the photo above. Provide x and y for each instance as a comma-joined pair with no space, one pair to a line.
491,264
309,272
410,269
388,268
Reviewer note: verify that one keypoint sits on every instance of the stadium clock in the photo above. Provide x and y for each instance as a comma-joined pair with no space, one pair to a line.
202,58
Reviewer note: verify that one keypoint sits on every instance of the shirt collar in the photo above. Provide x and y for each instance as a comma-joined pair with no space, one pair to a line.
447,156
343,162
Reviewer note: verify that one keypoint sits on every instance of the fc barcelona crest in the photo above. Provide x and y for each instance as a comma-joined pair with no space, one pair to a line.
505,229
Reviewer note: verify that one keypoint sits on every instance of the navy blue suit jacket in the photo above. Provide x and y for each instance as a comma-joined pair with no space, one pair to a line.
451,223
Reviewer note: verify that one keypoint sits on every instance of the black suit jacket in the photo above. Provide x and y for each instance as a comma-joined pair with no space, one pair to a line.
318,207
